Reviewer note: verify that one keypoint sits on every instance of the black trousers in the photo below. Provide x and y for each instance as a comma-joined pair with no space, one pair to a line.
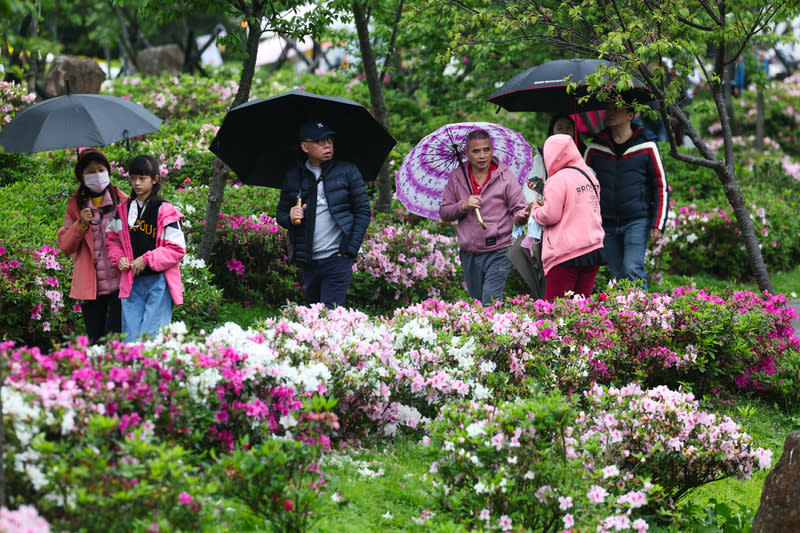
102,316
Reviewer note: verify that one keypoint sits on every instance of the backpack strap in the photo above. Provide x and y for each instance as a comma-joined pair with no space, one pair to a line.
587,177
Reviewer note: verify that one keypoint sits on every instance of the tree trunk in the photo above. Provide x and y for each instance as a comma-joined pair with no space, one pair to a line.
33,56
376,96
727,175
216,191
124,38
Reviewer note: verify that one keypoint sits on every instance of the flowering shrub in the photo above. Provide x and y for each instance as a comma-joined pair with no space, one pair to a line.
731,341
537,464
201,297
196,395
662,433
709,240
700,242
139,480
399,264
781,115
249,261
395,375
279,480
13,98
32,285
174,97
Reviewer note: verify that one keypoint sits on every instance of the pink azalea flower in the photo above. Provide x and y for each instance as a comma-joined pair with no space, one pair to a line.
564,503
597,494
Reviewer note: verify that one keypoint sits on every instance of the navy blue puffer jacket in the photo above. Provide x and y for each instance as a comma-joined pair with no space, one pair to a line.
348,202
634,184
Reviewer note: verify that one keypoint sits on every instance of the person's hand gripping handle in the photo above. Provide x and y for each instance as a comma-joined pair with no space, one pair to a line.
474,202
297,212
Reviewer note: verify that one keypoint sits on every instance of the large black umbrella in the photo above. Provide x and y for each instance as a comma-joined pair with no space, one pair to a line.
259,139
75,120
544,88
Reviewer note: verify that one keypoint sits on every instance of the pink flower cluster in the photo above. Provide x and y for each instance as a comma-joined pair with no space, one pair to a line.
24,519
403,257
685,447
13,98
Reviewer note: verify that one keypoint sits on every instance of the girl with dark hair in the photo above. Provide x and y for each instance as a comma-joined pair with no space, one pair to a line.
95,282
146,243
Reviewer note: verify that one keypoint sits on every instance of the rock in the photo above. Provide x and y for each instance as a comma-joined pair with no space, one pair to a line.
779,511
156,60
84,74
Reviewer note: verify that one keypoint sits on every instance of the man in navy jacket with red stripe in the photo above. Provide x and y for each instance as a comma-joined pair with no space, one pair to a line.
634,197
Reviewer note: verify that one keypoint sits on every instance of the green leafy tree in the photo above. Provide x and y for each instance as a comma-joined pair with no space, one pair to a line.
403,47
257,17
707,35
32,30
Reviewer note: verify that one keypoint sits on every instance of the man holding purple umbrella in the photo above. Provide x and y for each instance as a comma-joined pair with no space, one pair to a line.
484,199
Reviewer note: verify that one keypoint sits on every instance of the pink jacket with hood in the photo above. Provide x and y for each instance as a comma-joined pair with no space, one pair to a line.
570,215
72,239
166,257
500,201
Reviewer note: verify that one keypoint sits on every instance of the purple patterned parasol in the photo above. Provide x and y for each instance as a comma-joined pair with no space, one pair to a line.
425,169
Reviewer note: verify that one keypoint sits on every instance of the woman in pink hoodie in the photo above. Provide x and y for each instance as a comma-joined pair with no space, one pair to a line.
572,246
146,244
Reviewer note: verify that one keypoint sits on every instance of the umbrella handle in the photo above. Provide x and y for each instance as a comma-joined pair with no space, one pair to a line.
480,218
298,221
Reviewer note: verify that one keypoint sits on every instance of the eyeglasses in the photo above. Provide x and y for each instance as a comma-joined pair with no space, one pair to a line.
321,142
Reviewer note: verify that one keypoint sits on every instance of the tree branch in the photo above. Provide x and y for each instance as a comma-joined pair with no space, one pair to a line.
393,40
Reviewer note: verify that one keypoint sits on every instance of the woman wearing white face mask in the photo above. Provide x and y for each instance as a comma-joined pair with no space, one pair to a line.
95,283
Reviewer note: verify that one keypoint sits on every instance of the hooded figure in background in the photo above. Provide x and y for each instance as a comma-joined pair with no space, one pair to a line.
572,246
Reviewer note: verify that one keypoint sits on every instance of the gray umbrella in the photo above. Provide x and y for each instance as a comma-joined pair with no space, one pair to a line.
75,120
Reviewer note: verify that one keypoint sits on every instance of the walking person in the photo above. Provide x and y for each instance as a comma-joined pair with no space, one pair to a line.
325,207
95,282
484,198
635,198
572,245
146,243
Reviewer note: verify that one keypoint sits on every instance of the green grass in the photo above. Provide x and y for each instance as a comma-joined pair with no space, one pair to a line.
381,488
245,316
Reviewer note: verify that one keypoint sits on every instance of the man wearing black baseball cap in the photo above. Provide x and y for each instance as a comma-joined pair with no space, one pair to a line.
325,206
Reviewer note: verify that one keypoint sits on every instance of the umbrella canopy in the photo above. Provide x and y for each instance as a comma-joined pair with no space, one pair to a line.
259,139
425,170
544,88
75,120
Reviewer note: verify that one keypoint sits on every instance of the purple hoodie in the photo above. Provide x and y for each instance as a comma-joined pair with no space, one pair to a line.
500,201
